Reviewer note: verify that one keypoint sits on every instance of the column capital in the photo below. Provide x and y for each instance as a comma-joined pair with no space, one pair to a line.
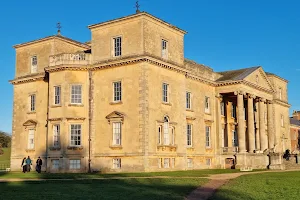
261,99
251,96
239,92
270,101
219,97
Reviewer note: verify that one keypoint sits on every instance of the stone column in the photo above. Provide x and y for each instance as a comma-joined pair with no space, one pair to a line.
262,126
241,122
219,119
251,134
270,125
257,140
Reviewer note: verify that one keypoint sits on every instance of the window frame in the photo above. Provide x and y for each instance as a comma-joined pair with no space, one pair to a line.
165,92
56,135
55,166
222,107
159,130
207,137
117,163
234,138
189,162
78,135
166,162
117,50
189,135
57,97
207,104
188,96
31,139
32,103
166,126
114,133
33,67
164,48
71,95
233,111
75,166
117,98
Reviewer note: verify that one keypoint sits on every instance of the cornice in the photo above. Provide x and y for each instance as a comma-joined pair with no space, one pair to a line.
28,78
282,103
224,83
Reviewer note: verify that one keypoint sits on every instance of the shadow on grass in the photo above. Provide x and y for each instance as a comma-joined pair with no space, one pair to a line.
101,189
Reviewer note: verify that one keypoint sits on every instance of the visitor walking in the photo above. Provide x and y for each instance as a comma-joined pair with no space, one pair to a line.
28,163
39,163
23,165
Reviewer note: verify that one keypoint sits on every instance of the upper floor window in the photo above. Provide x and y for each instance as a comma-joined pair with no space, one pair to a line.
189,134
56,135
76,94
280,93
33,64
117,133
117,91
164,48
207,136
32,102
222,105
188,100
31,139
207,105
117,46
75,134
165,91
57,92
233,111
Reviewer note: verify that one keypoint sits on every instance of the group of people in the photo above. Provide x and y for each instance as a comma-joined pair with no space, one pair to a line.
26,164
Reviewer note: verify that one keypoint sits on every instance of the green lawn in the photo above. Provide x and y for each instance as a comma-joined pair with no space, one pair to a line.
191,173
101,189
5,158
276,185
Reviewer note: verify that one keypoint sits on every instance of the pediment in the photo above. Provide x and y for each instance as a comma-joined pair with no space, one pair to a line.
115,116
30,122
259,79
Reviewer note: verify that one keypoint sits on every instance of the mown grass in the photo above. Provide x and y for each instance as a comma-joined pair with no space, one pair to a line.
191,173
5,158
276,185
141,189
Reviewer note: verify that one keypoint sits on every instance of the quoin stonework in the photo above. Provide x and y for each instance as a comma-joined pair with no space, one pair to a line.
129,100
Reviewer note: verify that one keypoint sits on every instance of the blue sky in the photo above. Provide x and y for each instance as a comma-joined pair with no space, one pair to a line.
222,34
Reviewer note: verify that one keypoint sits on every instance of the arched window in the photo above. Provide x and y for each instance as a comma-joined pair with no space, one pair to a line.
166,131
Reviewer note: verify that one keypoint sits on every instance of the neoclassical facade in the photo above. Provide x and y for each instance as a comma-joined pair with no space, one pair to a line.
128,100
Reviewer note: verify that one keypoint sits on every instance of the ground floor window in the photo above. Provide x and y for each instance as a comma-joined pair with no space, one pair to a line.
117,163
166,162
208,162
55,164
74,164
189,162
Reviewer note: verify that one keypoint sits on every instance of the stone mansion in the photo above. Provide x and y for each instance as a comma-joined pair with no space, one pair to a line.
129,100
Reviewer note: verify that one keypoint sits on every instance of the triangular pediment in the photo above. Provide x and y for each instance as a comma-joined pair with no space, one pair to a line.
259,78
30,122
115,114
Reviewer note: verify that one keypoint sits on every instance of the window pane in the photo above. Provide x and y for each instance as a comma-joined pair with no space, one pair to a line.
76,94
75,134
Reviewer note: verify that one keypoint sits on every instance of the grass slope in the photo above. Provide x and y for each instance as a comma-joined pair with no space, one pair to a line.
101,189
276,185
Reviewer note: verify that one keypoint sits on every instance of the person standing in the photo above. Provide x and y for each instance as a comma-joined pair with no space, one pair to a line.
28,163
23,165
39,163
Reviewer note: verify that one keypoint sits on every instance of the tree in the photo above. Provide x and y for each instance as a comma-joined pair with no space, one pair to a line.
5,140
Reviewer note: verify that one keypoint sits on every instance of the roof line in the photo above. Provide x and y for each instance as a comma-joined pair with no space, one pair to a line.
271,74
134,16
66,39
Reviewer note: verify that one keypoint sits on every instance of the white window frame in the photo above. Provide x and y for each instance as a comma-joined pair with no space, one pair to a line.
117,133
117,163
207,136
172,162
189,135
32,99
172,135
117,91
166,131
188,100
57,95
74,164
117,46
56,135
159,162
190,162
166,162
76,134
165,93
55,164
164,48
33,64
31,138
75,96
207,104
